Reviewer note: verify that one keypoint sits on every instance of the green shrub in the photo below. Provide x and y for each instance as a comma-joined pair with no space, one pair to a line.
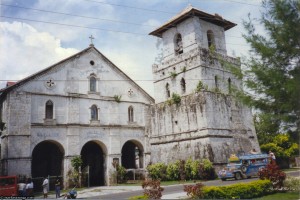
188,169
121,174
173,74
76,163
207,164
139,197
239,191
200,86
195,170
182,174
206,170
173,171
213,192
183,170
157,171
176,98
118,98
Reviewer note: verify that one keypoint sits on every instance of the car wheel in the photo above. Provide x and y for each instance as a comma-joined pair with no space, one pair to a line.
238,176
243,168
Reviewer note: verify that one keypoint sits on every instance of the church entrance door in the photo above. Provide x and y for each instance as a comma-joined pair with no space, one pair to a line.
93,164
47,159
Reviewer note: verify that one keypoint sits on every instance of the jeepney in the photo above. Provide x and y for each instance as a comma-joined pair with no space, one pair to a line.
8,186
243,166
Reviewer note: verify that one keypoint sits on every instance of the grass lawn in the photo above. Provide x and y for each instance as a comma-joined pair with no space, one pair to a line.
281,196
178,182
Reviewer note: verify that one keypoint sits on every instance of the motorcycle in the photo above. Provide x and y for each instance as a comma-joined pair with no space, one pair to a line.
72,194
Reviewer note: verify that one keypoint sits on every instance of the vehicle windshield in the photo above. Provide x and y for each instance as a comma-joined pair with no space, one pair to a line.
7,181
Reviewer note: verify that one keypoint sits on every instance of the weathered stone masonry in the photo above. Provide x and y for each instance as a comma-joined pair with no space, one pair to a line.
84,105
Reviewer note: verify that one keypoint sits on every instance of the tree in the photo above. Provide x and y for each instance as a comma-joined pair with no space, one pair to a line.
272,73
282,146
74,175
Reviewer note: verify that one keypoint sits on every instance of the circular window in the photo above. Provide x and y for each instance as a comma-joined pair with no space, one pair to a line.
92,62
50,83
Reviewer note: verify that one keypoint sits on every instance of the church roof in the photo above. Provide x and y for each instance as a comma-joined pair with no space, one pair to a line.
190,12
7,89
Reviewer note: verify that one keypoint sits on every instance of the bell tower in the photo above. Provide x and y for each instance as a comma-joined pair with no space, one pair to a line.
195,113
185,37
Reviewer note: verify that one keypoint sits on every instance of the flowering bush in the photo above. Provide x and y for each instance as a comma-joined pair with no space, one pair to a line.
152,189
292,184
274,174
194,191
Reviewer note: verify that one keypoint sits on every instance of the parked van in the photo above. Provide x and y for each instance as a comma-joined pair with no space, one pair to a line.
8,186
244,166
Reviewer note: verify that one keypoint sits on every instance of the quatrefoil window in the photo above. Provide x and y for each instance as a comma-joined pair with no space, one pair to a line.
50,83
130,92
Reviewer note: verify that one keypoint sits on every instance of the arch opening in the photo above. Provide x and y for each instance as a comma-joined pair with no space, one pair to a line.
229,86
178,44
183,86
93,82
210,38
132,155
49,110
168,93
47,159
93,163
130,114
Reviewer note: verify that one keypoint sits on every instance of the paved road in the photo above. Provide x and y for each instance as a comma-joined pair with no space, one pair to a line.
179,188
168,189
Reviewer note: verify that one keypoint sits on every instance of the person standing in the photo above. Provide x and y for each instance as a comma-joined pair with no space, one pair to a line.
22,189
57,187
253,151
273,158
45,187
29,188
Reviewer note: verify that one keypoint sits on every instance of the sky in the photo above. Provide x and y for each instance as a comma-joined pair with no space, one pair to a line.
35,34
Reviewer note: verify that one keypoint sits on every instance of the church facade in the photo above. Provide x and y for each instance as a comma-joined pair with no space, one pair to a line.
85,105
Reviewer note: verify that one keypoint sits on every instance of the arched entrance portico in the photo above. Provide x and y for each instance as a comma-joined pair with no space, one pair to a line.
132,155
47,159
93,157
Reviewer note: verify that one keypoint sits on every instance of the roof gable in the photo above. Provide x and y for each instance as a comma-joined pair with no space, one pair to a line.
6,90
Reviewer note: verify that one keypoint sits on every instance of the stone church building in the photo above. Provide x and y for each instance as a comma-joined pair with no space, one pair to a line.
85,105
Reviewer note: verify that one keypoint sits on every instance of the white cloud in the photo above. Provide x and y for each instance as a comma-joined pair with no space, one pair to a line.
134,57
25,51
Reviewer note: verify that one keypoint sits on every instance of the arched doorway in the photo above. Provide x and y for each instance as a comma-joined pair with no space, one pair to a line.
47,159
132,155
93,161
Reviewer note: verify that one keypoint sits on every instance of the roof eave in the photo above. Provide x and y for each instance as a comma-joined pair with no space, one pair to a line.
193,12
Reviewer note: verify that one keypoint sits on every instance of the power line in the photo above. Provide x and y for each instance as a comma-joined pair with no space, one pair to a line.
161,11
132,7
71,25
250,4
89,17
114,80
87,27
74,15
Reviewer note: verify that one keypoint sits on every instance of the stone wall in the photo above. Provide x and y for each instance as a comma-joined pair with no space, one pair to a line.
204,125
